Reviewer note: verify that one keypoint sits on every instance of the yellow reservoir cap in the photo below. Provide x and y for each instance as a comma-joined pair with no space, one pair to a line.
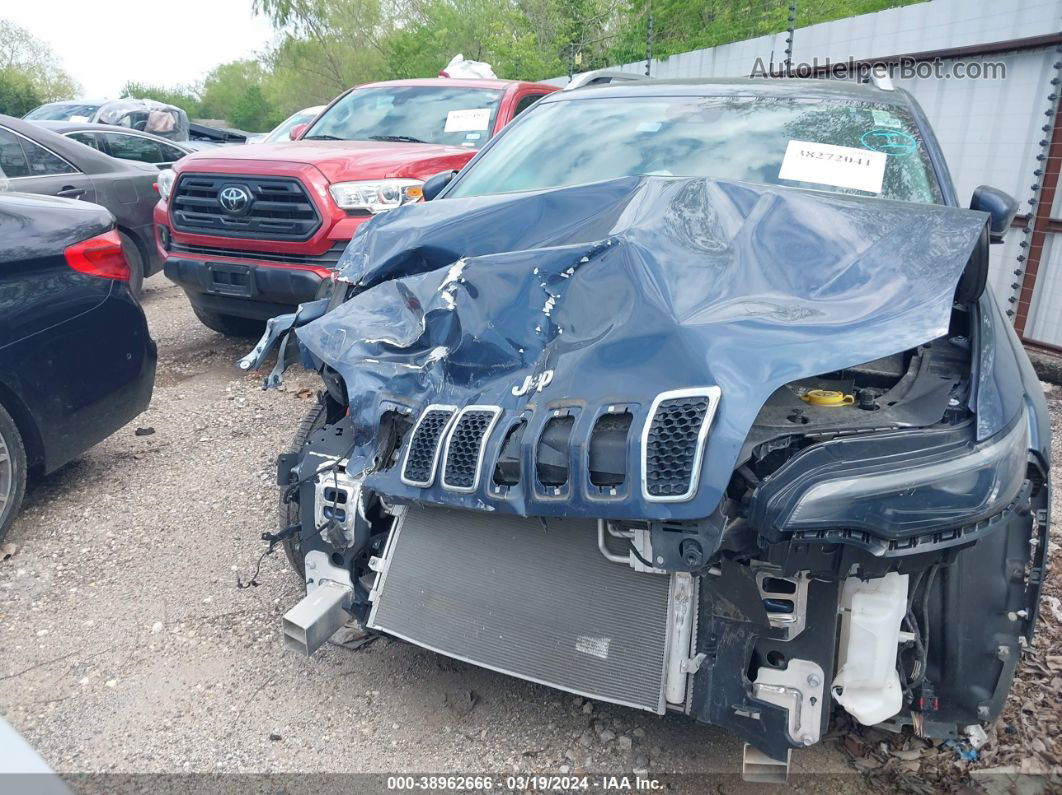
827,397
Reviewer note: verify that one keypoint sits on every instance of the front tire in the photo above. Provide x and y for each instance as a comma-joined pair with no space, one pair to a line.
289,511
229,325
12,471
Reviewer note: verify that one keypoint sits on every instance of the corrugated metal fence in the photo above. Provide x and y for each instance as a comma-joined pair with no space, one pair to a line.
999,132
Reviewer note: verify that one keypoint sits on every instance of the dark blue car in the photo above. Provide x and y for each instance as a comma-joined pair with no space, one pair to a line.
76,360
689,396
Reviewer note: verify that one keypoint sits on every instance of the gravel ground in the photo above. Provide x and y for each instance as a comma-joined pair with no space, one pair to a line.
128,648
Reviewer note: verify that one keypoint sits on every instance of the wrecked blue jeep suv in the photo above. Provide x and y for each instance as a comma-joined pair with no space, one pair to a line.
688,397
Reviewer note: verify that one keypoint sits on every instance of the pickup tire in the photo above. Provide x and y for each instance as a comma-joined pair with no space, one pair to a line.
229,325
12,471
289,512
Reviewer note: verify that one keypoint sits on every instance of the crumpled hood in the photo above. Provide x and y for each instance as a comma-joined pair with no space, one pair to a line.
341,160
625,289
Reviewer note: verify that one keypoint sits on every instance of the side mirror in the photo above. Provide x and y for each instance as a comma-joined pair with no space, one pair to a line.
1002,207
297,131
434,185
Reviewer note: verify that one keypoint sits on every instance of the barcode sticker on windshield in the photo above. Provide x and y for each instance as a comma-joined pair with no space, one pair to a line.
840,166
467,120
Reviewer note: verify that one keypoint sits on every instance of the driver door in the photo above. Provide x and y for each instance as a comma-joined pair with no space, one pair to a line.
34,169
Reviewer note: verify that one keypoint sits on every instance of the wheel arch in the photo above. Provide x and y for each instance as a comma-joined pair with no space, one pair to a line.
27,428
143,247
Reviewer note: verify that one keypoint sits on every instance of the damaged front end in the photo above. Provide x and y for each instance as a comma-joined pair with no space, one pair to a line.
680,444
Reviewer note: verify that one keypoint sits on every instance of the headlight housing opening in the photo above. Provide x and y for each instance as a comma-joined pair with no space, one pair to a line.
941,494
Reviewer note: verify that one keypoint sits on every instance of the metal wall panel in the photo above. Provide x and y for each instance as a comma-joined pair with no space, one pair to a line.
1045,313
1003,261
990,129
924,27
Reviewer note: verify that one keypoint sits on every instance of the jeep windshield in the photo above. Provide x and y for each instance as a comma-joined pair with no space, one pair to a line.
442,114
845,146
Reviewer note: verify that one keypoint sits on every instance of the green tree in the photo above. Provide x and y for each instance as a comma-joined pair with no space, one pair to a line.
184,97
326,47
234,91
253,112
18,95
24,54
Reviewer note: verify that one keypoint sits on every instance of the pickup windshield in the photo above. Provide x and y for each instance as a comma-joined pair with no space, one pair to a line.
440,114
838,146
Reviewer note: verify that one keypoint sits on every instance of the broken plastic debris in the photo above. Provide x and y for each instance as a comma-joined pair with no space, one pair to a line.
976,734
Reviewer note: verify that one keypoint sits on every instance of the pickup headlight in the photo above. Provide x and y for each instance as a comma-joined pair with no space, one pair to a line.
906,500
376,196
165,182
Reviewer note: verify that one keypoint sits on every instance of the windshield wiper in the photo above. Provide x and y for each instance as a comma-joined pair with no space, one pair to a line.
405,139
322,138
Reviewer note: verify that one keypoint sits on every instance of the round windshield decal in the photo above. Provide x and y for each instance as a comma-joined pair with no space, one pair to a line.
891,142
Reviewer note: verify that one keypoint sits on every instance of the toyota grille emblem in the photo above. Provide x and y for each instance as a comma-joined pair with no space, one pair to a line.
234,199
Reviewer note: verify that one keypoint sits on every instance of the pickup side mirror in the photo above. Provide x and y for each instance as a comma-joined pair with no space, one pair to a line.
297,131
434,185
1002,207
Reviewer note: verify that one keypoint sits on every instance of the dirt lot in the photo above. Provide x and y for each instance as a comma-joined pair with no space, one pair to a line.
128,648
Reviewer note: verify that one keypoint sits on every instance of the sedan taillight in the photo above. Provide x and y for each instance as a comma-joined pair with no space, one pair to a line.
99,256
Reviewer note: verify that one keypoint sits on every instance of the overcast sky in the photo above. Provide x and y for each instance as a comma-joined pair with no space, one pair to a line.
104,43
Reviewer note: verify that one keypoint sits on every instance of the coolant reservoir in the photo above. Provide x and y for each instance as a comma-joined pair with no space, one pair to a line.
827,397
867,684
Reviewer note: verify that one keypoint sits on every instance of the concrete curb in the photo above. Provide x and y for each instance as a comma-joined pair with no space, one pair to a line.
1048,366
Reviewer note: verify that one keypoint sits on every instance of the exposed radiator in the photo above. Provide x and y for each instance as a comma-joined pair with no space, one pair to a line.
540,603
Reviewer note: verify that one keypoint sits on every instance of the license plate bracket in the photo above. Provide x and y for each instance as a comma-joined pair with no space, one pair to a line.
231,280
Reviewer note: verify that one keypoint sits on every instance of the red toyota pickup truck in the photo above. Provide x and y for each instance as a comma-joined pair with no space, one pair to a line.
251,231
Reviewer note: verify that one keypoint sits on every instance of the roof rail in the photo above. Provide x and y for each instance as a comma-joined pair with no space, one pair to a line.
600,77
879,78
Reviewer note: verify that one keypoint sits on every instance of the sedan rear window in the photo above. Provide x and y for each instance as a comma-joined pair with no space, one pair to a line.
440,114
63,111
841,146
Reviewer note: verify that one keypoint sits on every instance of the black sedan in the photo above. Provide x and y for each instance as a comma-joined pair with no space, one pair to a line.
76,360
37,160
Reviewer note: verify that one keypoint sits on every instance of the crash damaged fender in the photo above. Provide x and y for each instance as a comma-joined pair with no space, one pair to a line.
569,304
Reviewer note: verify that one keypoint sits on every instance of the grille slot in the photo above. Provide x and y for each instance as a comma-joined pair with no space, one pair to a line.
422,455
279,207
507,467
464,449
551,457
608,449
673,443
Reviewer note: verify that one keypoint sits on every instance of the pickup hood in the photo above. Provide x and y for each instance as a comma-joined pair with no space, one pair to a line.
338,160
625,289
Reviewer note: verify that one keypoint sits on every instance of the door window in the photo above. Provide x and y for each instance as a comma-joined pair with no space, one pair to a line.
12,160
525,103
170,154
86,138
43,163
134,147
